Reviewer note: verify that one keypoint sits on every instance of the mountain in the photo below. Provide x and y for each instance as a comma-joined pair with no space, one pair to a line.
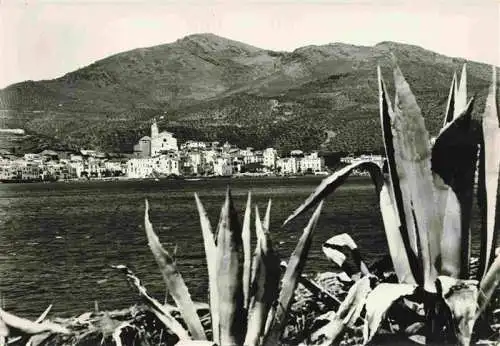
212,88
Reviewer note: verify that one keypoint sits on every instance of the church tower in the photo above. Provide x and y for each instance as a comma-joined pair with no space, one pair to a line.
154,129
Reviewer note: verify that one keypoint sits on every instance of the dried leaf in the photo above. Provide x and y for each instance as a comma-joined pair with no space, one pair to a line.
379,300
461,298
163,313
489,284
13,325
347,314
174,281
343,243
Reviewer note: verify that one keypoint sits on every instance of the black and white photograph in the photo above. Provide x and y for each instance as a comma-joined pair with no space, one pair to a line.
249,172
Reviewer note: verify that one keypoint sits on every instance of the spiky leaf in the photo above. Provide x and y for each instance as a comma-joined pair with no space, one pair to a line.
247,255
174,281
392,226
489,166
290,279
450,105
412,151
454,161
331,183
232,314
397,189
211,256
265,286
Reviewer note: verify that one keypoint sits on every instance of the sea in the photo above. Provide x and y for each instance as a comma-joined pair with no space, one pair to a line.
59,241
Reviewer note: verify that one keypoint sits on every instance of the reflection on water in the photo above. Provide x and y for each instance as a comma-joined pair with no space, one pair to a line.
58,241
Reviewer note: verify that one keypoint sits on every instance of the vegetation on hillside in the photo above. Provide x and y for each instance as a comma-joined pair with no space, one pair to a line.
208,87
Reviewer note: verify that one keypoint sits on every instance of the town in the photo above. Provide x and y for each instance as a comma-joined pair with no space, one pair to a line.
158,156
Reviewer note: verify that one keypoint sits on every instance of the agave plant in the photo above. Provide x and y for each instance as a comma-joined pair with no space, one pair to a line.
249,302
425,193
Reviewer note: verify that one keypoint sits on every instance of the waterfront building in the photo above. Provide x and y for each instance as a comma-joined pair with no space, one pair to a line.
222,166
287,165
164,165
269,156
311,163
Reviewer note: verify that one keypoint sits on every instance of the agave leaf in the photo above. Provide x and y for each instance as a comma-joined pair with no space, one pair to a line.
411,143
232,315
461,97
395,242
265,286
247,256
450,105
454,161
173,280
489,284
379,300
338,243
211,255
267,218
331,183
290,279
162,312
397,190
461,298
347,314
489,166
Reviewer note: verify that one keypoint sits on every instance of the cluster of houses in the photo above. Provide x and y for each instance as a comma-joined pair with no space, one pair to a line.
158,155
50,165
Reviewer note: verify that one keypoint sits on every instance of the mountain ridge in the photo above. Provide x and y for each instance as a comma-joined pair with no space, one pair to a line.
213,88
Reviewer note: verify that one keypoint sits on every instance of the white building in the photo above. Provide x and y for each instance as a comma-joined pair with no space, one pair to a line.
288,165
270,156
166,165
312,163
223,167
148,167
140,168
194,145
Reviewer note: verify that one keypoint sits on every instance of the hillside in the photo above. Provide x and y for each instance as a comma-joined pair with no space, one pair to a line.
208,87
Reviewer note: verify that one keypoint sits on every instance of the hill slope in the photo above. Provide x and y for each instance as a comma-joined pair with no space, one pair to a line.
209,87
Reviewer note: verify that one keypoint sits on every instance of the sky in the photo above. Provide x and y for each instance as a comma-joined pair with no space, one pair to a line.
46,39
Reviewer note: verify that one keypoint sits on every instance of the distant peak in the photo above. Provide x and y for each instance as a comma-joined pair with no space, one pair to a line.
215,42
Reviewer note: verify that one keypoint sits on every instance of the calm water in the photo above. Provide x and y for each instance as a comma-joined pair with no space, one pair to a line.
58,241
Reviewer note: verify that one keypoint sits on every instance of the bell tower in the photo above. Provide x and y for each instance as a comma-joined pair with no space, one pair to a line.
154,129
